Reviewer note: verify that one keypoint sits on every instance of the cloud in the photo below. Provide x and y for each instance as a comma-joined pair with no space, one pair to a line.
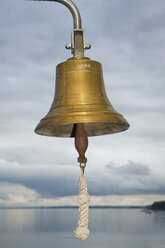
46,180
61,181
17,195
131,169
128,39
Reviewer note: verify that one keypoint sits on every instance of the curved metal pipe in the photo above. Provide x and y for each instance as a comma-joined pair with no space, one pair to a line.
73,9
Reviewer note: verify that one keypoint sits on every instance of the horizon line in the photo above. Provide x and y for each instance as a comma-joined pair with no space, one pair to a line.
67,206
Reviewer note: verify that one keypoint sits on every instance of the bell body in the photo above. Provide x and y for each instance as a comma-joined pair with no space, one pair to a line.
80,97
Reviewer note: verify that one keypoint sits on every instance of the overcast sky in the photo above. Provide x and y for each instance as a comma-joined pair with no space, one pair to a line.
128,38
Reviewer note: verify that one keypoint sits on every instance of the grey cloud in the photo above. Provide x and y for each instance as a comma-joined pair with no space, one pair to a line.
132,188
61,186
46,152
57,187
136,53
127,38
4,196
130,169
50,181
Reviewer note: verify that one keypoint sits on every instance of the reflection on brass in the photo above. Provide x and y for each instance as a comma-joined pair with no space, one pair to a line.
80,97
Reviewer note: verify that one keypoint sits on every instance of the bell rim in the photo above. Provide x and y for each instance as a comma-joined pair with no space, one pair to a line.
46,130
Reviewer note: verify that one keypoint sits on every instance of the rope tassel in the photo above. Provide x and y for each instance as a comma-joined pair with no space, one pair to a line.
81,144
82,232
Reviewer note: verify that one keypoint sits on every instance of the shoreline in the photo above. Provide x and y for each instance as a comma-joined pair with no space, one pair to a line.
75,207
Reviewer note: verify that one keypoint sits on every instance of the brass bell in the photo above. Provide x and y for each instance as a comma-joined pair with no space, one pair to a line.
80,97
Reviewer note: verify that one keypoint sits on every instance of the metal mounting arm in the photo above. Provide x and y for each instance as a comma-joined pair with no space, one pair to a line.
78,38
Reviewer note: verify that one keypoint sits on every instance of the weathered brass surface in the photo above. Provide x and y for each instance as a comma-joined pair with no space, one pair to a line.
80,97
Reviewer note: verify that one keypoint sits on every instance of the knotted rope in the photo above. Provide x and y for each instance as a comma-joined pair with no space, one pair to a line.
82,231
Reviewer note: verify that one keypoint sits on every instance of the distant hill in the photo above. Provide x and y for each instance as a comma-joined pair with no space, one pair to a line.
158,205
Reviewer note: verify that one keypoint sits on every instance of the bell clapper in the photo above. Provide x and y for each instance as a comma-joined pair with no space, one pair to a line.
81,143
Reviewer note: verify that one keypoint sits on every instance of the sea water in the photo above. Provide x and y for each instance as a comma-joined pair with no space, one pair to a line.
53,228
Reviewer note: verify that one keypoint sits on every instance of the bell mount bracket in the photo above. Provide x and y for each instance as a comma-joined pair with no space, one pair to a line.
77,45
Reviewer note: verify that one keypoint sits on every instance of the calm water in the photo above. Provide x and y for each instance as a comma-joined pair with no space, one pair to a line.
110,228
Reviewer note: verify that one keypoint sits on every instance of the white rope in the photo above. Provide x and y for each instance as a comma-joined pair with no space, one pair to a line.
82,231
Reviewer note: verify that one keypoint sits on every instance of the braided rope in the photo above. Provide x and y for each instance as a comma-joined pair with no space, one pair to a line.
82,231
